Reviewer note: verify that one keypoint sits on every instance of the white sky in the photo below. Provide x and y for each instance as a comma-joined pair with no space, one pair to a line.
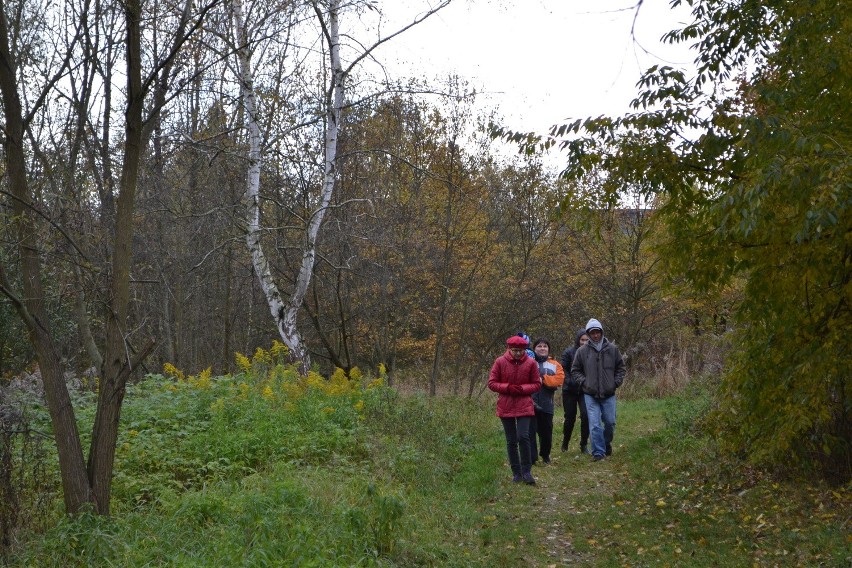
540,61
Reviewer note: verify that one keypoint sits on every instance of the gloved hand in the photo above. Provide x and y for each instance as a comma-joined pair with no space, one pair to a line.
516,390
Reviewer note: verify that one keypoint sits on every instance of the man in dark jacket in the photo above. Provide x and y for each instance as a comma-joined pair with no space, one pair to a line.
573,398
599,369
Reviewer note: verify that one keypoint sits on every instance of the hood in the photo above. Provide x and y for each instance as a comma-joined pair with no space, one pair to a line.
594,324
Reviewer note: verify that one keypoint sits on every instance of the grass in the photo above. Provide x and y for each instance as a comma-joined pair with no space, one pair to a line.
225,471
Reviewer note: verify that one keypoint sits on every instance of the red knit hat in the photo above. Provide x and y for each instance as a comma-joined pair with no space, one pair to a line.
517,341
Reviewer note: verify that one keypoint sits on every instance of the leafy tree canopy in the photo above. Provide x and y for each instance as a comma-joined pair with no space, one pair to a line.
748,163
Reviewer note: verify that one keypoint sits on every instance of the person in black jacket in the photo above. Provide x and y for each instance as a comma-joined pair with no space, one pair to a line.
572,398
600,370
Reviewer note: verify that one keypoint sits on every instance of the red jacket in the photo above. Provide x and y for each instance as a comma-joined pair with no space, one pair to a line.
508,371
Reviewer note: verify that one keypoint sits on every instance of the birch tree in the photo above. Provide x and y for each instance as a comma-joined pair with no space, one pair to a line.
284,313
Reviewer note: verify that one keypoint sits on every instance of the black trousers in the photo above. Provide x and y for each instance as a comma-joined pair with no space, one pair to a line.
541,428
518,436
571,401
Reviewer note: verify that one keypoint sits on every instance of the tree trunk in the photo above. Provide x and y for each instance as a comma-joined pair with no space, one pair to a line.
226,315
117,366
83,326
285,316
32,310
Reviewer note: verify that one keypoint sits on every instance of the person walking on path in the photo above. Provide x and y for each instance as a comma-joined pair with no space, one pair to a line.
514,377
573,398
599,369
552,375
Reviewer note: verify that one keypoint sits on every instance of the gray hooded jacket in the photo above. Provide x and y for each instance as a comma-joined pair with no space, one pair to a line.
598,372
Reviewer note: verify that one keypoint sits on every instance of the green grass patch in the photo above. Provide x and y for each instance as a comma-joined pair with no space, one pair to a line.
282,471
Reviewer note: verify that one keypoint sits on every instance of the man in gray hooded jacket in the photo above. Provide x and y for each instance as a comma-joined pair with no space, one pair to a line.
599,369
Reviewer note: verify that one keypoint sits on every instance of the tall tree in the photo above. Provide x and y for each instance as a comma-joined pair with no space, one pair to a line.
31,304
749,158
333,102
86,483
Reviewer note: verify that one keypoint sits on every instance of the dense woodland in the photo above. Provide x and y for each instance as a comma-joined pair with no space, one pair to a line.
432,249
164,163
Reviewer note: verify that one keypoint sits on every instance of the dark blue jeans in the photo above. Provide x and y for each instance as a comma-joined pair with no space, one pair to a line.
602,419
517,432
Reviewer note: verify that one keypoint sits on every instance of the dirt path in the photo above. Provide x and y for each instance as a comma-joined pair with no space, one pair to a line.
571,484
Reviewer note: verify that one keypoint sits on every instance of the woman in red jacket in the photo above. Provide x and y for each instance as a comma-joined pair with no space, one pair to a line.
514,377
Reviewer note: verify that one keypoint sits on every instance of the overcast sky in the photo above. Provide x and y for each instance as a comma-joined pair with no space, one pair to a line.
541,61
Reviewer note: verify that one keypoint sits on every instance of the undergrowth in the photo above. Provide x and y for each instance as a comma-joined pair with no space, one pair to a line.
269,468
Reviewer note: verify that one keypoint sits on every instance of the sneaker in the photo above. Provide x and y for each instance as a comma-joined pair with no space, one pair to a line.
597,458
545,461
609,449
528,478
516,478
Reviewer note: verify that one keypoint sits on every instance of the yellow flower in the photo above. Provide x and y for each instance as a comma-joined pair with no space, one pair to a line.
338,384
279,351
242,362
267,393
262,357
203,381
359,406
244,390
315,380
173,372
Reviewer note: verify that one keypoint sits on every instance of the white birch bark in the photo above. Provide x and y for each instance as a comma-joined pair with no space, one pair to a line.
285,322
283,314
